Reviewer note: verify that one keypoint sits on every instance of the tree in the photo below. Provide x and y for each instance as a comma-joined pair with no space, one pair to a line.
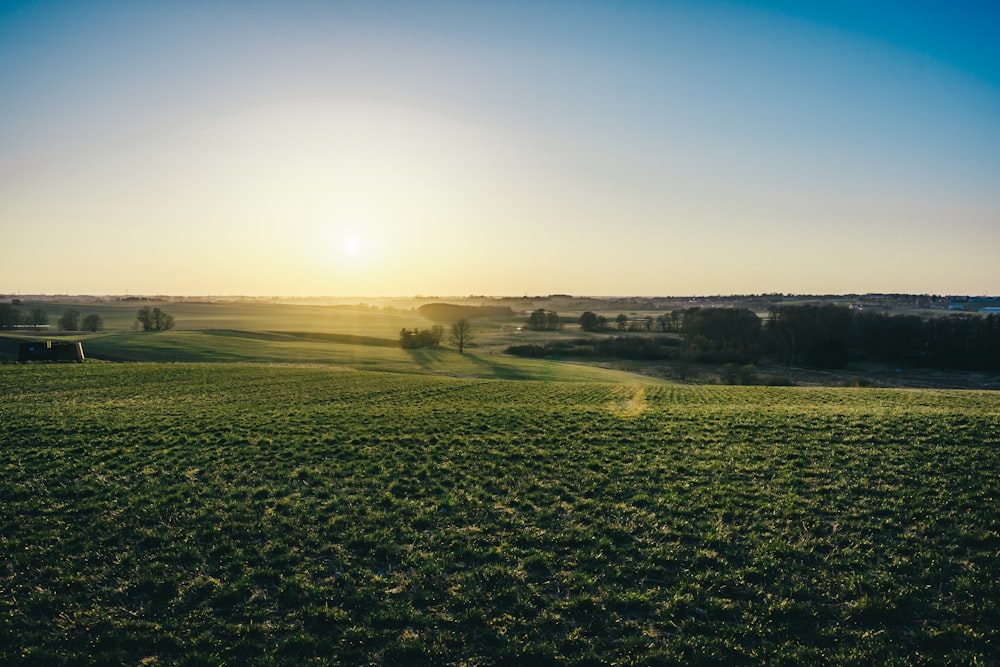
145,318
10,316
828,353
461,335
154,319
37,317
411,339
544,320
622,321
722,334
162,321
593,322
93,322
70,320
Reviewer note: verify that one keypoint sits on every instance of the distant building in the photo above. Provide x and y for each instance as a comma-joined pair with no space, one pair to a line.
48,351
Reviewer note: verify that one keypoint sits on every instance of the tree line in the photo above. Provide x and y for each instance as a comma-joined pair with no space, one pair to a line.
147,319
820,336
11,317
830,336
665,323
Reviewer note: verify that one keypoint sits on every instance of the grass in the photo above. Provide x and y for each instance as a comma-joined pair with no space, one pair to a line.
238,513
263,332
352,351
253,316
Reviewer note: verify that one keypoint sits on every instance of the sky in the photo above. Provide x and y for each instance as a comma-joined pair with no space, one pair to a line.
307,148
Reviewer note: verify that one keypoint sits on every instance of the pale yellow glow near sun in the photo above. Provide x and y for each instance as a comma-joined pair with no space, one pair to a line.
352,246
343,245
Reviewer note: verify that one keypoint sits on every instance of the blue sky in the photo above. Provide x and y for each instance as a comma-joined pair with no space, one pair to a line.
311,148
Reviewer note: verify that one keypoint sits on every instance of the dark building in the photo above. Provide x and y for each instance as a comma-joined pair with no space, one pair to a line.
48,351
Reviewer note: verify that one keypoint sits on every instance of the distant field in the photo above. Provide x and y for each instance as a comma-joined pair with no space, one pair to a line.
252,316
373,354
233,513
367,336
357,337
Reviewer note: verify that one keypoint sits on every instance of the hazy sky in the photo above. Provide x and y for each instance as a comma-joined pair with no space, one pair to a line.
452,148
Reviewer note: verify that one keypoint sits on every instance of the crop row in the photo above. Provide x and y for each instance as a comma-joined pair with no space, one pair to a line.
219,514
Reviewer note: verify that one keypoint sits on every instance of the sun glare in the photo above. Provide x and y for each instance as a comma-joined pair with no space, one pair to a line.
344,245
352,246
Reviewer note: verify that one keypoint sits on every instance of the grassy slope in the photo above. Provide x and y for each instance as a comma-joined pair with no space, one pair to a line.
262,347
307,334
254,316
211,513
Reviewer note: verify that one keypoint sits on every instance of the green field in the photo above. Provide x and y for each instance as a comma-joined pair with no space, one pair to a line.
279,333
258,315
204,513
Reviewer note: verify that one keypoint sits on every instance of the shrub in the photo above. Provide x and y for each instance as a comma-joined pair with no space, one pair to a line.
530,351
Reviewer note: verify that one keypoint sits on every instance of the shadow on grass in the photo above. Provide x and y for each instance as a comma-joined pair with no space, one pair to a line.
441,360
428,359
346,339
502,371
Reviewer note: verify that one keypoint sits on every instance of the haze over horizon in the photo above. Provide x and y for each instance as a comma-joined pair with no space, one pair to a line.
389,148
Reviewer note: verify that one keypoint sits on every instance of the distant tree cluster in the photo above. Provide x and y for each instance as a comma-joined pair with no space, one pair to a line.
544,320
411,339
665,323
589,321
670,322
10,316
722,335
626,323
153,319
828,336
820,336
92,322
71,319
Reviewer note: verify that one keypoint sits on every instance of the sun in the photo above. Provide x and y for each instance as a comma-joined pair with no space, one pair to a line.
349,244
352,246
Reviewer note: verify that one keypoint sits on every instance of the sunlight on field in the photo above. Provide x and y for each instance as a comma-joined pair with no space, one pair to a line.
155,512
630,402
356,351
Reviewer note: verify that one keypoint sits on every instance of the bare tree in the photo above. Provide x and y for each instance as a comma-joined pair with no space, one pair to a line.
70,320
92,322
461,335
37,317
10,316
